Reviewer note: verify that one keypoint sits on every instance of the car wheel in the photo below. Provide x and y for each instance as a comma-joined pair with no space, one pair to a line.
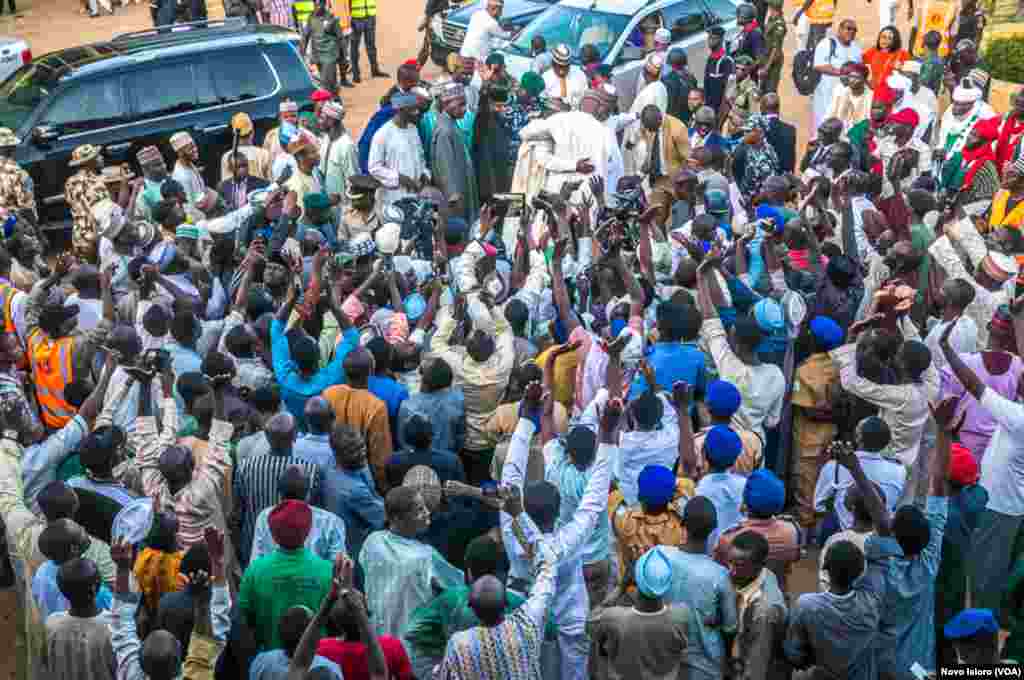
439,55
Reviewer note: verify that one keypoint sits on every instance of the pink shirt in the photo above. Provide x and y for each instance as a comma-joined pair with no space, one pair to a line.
979,425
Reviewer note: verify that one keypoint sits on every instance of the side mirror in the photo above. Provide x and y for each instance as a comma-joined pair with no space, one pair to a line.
44,135
631,53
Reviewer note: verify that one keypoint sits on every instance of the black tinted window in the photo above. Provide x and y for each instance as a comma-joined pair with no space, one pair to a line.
87,106
162,90
241,75
723,10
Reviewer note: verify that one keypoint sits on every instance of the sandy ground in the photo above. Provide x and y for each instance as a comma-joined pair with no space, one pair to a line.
56,24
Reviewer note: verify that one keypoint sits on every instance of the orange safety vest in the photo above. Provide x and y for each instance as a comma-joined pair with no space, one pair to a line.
7,293
52,372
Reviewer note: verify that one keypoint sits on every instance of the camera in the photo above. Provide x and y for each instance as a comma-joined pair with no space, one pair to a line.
155,361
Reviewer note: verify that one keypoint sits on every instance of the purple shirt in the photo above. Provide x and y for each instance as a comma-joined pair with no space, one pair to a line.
979,425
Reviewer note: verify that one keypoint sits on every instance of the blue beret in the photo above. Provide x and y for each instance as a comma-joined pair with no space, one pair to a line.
764,494
827,332
722,398
769,316
316,201
414,305
770,212
722,446
971,622
656,485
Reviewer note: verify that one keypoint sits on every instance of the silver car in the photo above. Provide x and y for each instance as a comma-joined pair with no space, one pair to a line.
613,26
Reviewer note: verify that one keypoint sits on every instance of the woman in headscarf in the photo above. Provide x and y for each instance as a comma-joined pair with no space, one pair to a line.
755,159
886,56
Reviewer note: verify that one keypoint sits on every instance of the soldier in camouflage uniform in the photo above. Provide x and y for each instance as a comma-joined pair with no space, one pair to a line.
83,190
742,96
770,72
15,184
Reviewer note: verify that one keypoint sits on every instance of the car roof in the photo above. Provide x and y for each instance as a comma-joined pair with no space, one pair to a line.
626,7
141,46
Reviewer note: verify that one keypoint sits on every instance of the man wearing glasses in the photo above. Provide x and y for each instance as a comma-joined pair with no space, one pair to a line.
830,56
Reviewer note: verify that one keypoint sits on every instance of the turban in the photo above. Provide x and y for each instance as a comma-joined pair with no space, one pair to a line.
333,110
288,106
532,83
971,622
722,446
884,95
656,485
663,35
764,493
827,332
988,129
653,572
963,467
452,91
179,140
290,522
769,316
966,95
905,117
654,62
722,399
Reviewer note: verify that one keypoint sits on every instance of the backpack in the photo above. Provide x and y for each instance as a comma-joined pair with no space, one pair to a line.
805,78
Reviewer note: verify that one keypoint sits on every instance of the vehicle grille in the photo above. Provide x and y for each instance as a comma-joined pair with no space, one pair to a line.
453,35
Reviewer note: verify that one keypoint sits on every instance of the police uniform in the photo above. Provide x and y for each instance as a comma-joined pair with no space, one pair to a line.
774,35
324,37
15,184
743,96
82,191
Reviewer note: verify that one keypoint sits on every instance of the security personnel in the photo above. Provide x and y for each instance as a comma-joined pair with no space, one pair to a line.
12,306
321,39
83,190
770,71
15,184
301,11
364,23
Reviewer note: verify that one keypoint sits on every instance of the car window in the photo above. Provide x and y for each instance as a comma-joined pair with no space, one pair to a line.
722,9
88,105
161,90
685,19
206,94
241,75
574,27
25,90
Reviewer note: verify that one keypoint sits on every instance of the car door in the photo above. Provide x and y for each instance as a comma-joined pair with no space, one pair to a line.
627,62
689,20
90,111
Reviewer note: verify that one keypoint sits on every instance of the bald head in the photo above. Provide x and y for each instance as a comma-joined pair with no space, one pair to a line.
770,103
358,365
293,483
176,466
161,655
319,415
487,600
280,431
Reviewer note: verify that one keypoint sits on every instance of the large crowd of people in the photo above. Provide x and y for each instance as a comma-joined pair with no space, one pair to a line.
523,383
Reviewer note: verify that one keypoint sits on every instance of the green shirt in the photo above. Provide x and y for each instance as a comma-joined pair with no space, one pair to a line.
774,35
435,622
276,582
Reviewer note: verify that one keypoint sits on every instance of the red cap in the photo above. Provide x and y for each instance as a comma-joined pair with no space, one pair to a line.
905,117
963,468
321,95
412,62
884,95
290,522
988,129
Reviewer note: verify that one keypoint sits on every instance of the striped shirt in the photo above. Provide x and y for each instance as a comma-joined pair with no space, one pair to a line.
255,489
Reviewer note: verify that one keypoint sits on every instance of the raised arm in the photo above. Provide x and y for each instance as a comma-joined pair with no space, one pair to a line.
845,456
304,654
682,394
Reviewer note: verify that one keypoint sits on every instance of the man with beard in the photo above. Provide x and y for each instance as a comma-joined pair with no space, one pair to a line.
339,156
397,159
960,118
704,132
154,172
903,157
186,172
920,98
742,96
1010,132
970,174
818,149
451,165
865,135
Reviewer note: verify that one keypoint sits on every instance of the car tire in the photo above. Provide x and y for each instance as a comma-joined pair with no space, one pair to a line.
439,55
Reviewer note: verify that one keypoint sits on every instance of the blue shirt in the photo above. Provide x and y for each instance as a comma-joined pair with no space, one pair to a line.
273,665
445,463
295,389
328,230
316,448
446,411
51,600
571,483
703,585
906,633
392,393
376,122
725,491
673,361
352,496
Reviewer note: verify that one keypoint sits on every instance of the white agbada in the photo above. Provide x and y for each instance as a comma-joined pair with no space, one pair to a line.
616,166
953,131
926,105
190,180
636,146
480,37
396,151
575,83
841,55
575,136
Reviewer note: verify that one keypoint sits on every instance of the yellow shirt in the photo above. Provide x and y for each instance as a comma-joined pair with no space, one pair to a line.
821,11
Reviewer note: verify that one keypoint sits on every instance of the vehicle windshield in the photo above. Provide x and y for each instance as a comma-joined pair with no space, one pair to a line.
574,27
23,91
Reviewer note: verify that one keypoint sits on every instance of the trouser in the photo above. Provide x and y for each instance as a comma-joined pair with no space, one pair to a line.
197,9
996,542
809,441
329,75
10,4
364,27
573,652
596,576
770,83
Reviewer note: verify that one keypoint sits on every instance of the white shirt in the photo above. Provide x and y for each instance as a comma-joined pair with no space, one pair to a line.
1002,467
575,135
480,35
725,491
575,85
887,473
638,449
841,55
190,180
653,93
963,339
90,311
926,105
396,151
953,131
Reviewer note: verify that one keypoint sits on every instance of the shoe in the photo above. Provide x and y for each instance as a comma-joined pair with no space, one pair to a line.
346,83
377,73
356,78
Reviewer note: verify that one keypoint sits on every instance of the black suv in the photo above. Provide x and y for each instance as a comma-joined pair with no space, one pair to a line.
140,88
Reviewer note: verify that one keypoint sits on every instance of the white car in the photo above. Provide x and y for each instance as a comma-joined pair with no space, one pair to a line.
14,53
613,27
